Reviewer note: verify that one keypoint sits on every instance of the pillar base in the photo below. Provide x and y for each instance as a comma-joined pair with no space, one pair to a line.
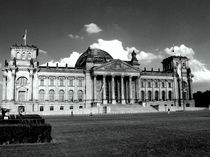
131,101
113,101
123,101
104,101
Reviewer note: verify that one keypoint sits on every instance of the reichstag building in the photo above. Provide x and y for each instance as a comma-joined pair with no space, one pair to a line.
98,84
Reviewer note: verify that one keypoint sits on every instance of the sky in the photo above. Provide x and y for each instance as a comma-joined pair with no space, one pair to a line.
63,29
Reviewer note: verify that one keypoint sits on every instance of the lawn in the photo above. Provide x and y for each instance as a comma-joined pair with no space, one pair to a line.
134,135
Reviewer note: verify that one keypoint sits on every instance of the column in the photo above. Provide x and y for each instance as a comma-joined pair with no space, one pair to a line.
131,90
12,85
31,87
104,90
166,90
56,89
139,88
66,88
47,88
113,91
122,90
4,88
94,88
153,91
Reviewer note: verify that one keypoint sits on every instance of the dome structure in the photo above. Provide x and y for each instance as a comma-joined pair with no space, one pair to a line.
96,56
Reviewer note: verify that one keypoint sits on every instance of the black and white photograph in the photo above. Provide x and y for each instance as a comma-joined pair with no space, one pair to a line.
104,78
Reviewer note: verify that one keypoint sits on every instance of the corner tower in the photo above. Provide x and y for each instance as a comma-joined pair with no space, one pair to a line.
178,65
18,74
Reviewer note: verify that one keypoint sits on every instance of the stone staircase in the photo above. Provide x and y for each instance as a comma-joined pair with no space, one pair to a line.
130,108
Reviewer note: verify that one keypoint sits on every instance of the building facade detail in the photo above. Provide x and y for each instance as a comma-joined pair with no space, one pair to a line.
96,79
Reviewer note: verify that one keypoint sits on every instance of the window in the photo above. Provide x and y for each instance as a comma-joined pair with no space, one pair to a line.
170,95
149,95
22,81
41,108
149,84
51,108
80,82
18,55
163,95
163,84
142,96
61,95
24,55
80,95
156,95
71,107
61,107
156,84
71,82
142,83
71,95
61,82
80,107
51,95
51,82
169,84
41,94
42,82
29,56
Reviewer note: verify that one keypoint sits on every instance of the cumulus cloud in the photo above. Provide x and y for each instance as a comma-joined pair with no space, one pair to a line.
181,50
75,36
42,51
117,51
70,61
199,69
92,28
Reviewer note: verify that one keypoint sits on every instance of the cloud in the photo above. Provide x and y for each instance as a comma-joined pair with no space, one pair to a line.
42,51
75,36
117,51
181,50
70,61
199,69
92,28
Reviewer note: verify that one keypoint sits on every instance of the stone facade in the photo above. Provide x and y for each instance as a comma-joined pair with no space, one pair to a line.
96,81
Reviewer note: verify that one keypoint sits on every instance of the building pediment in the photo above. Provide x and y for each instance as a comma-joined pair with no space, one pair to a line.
117,66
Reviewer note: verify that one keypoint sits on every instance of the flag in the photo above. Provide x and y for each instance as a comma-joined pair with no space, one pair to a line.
24,37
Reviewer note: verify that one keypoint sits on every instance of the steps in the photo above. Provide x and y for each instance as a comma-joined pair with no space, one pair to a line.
130,108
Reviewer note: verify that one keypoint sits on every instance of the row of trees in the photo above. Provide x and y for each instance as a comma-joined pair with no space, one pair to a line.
202,99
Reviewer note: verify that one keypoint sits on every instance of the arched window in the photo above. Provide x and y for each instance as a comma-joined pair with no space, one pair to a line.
18,55
71,95
41,94
23,55
61,95
149,95
163,95
80,95
29,56
170,95
22,81
51,95
142,95
156,95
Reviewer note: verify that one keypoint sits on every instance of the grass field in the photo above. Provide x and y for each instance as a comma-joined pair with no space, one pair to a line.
151,134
